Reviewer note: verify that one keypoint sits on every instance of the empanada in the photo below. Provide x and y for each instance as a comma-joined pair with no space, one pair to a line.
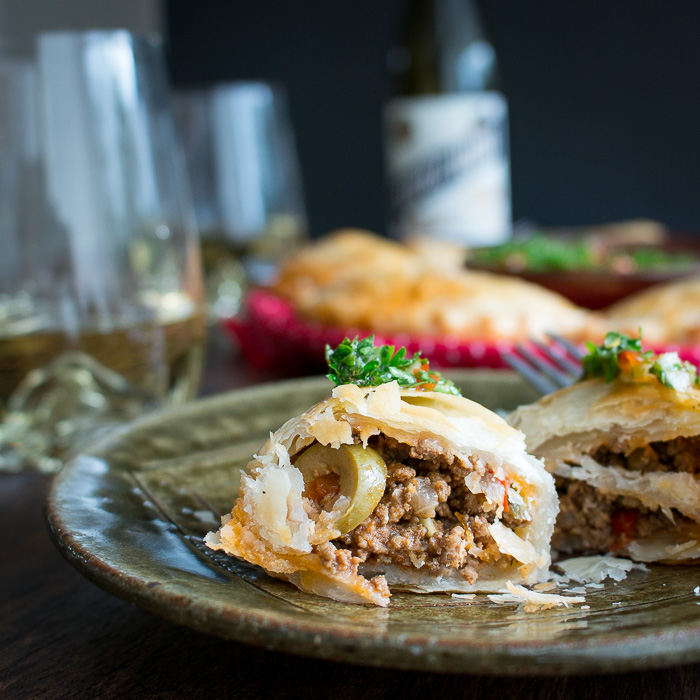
387,486
626,456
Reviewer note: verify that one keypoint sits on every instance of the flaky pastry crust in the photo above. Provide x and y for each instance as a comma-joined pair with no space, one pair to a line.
270,527
568,427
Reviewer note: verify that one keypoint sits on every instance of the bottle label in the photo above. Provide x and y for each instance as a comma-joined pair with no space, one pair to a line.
448,167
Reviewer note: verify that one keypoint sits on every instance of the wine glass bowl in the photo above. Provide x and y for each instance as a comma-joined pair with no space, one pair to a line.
101,298
246,182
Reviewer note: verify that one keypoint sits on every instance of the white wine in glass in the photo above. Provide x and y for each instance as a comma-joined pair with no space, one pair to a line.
246,184
102,313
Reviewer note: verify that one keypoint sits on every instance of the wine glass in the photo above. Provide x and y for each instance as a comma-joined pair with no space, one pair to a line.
101,296
246,183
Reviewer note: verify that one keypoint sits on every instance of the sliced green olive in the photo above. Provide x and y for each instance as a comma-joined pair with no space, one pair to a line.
362,478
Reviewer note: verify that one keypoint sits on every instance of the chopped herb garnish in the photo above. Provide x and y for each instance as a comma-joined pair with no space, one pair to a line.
604,360
620,355
363,363
670,370
541,251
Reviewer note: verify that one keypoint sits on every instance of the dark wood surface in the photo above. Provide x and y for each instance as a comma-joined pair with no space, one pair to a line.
62,637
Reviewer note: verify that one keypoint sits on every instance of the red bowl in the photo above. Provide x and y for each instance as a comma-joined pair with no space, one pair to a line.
600,287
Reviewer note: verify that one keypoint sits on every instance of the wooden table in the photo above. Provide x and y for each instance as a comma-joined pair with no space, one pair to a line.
62,637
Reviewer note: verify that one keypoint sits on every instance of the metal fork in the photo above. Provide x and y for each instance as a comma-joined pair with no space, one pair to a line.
546,366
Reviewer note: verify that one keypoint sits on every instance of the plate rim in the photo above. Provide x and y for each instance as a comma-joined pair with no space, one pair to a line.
323,639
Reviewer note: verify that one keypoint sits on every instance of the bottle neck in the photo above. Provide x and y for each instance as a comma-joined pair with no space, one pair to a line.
467,56
444,49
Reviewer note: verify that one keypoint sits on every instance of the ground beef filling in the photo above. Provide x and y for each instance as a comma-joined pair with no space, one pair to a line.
394,533
679,455
591,522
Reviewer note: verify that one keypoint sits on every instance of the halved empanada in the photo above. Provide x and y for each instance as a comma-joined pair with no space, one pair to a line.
382,486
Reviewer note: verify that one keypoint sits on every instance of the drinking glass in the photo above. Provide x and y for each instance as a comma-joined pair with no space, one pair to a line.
246,184
102,313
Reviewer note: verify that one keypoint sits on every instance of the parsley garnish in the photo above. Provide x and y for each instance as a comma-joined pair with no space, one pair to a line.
621,354
363,363
604,360
542,251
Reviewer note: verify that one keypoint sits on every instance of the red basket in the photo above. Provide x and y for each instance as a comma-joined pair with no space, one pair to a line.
270,332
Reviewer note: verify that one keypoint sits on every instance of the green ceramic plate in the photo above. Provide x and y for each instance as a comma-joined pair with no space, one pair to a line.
131,511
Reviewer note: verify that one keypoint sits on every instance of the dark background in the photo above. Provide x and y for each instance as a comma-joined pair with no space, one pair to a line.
604,115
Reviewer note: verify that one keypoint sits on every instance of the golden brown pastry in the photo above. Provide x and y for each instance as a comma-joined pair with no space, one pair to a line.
468,305
340,256
625,453
357,280
387,486
668,313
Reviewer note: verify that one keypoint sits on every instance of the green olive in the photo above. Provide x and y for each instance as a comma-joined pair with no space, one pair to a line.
362,478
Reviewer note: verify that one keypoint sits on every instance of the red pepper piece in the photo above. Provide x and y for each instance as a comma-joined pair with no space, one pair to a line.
506,486
624,525
628,360
323,486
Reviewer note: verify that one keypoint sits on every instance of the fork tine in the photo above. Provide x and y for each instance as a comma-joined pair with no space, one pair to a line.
546,366
550,371
570,347
571,367
530,374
